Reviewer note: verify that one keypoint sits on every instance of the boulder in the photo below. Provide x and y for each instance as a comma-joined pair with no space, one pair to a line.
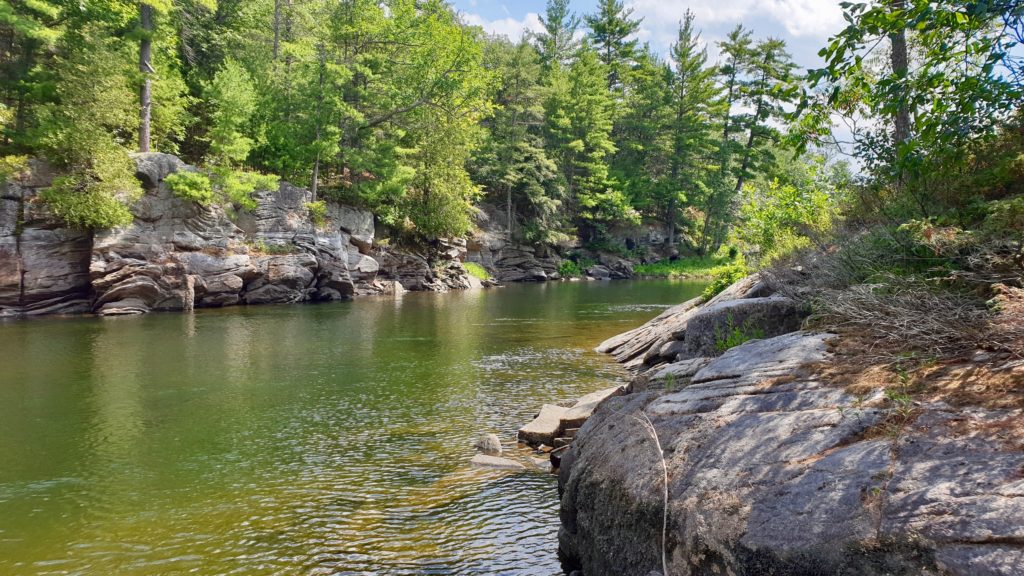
715,327
488,444
575,416
618,268
774,471
598,272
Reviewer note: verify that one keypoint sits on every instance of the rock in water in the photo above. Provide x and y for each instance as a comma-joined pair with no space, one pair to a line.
488,444
585,406
485,461
545,426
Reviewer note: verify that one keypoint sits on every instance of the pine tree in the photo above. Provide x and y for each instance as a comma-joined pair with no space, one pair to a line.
557,43
579,118
696,102
737,50
610,29
512,163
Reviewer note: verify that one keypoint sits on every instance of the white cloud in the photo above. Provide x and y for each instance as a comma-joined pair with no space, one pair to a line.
817,18
804,24
509,27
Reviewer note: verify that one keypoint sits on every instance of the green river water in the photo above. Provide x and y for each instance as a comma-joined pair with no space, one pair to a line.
306,439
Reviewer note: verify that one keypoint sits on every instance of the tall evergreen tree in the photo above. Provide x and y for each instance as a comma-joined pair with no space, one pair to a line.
737,51
696,103
610,30
579,120
512,163
558,42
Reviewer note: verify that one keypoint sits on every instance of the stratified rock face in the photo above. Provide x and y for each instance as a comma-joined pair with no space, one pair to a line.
177,254
773,471
508,262
44,266
438,268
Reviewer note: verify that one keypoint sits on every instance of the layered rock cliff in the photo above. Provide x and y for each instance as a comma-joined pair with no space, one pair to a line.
759,460
177,255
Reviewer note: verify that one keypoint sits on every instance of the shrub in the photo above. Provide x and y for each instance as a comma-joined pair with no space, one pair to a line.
317,212
570,269
11,167
477,271
261,247
72,200
238,185
723,277
191,186
736,335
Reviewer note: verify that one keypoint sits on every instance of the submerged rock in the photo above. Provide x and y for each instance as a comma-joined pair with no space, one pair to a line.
485,461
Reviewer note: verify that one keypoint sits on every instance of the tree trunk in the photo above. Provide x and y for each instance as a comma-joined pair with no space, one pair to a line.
146,68
319,121
277,29
672,222
726,131
508,211
900,66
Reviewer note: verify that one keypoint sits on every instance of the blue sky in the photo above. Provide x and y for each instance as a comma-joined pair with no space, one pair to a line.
805,25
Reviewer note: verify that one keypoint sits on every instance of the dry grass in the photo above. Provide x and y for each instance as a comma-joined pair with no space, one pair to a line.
904,298
900,314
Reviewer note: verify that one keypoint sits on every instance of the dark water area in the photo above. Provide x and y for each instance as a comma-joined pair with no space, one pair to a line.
306,439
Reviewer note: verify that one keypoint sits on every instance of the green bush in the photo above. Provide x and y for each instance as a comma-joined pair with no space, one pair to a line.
11,167
72,200
477,271
261,247
570,269
317,212
736,335
191,186
238,185
723,277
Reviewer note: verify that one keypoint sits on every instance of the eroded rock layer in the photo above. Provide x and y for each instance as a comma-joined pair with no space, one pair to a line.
179,255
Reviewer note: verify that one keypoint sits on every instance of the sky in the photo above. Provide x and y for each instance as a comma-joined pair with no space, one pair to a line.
805,25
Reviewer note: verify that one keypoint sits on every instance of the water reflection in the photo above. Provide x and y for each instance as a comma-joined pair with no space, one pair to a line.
325,439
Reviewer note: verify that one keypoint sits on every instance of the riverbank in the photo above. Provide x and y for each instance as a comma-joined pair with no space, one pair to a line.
178,254
750,446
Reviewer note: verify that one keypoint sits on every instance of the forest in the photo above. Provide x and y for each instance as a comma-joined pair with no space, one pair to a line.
576,132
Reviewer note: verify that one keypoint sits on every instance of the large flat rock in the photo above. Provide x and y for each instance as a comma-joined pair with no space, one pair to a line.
757,360
584,407
545,427
775,470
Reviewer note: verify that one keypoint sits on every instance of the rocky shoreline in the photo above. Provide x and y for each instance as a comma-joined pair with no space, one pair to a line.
737,450
178,255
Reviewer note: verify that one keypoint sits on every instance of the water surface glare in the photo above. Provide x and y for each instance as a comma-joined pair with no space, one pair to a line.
306,439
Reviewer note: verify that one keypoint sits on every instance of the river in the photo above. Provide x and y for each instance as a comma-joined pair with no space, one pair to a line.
306,439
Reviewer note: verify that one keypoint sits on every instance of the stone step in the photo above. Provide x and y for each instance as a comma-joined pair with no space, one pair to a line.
545,427
560,442
579,413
